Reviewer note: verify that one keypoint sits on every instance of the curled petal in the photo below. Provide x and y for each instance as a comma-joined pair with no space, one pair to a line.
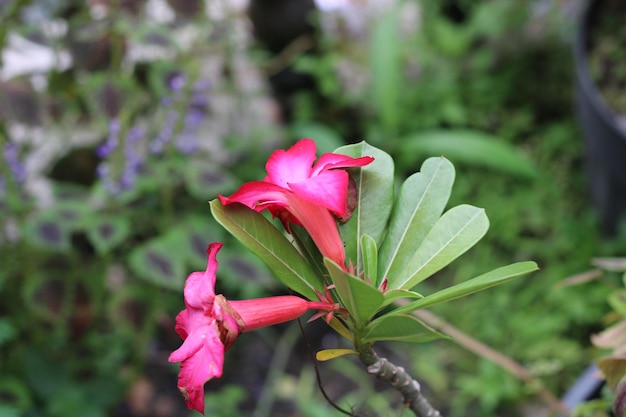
258,195
200,286
330,161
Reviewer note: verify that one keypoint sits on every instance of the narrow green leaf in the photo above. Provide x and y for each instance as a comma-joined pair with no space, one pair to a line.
468,146
375,196
395,294
370,258
422,199
400,328
454,233
386,69
479,283
259,235
360,298
339,327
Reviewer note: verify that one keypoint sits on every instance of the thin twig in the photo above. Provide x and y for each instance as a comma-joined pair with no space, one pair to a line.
318,376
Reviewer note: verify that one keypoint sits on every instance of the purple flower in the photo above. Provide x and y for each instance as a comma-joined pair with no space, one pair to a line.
119,170
183,120
12,159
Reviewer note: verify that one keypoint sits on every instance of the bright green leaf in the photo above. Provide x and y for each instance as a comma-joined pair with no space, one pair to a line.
421,200
467,146
259,235
454,233
395,294
400,328
328,354
370,258
375,198
360,298
479,283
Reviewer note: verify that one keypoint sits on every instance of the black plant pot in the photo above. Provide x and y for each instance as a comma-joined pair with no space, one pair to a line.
604,138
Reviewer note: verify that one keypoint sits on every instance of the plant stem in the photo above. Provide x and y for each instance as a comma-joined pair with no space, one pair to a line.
399,379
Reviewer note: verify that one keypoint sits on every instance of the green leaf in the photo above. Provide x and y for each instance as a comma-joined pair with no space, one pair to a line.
479,283
204,181
197,233
16,396
385,69
360,298
422,199
395,294
259,235
467,146
370,258
454,233
339,327
159,262
105,233
8,331
400,328
47,233
375,197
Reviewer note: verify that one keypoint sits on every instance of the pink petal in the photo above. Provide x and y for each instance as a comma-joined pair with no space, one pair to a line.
202,356
200,286
320,225
293,165
334,161
257,195
327,189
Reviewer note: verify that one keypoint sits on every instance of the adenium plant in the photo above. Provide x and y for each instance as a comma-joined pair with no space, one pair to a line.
353,249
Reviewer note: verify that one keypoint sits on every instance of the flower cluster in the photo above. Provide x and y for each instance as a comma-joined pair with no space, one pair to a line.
311,195
186,111
210,324
296,191
119,174
16,171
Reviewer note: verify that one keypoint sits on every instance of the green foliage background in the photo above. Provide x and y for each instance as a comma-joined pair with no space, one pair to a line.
89,290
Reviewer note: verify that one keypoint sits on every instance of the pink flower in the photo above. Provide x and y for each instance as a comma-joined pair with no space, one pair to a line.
296,190
210,324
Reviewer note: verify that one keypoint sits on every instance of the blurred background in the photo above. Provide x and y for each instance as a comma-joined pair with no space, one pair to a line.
121,119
